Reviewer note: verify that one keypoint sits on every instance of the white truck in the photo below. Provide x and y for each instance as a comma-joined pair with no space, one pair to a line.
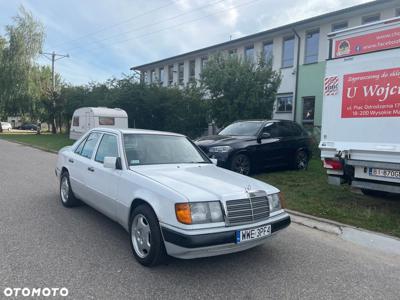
360,136
86,118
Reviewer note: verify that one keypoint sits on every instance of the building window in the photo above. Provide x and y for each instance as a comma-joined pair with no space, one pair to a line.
339,26
288,52
267,49
192,70
152,76
370,18
398,12
181,70
203,62
170,74
249,53
308,109
284,103
232,52
161,76
312,45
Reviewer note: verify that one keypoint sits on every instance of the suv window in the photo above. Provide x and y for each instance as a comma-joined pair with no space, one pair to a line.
285,129
108,147
297,130
90,143
272,129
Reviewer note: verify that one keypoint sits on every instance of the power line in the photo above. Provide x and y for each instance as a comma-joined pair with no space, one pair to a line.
170,27
149,25
114,24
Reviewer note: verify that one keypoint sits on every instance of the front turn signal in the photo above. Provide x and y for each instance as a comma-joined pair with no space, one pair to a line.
183,214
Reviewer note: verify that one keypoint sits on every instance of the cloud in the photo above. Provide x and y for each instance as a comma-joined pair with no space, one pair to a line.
105,38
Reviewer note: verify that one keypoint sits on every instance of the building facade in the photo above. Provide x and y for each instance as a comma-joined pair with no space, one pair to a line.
299,50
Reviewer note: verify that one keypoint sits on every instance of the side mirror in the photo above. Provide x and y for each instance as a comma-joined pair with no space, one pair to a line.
112,163
265,135
214,161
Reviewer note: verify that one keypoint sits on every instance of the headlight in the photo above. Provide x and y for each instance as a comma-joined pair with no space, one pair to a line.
220,149
274,202
199,212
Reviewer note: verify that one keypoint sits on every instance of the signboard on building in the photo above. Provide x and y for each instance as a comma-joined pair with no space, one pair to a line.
375,41
371,94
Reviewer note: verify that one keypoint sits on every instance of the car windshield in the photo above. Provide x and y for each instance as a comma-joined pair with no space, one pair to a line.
242,128
151,149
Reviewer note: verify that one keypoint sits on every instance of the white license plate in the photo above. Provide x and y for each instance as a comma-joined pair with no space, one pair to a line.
384,173
253,233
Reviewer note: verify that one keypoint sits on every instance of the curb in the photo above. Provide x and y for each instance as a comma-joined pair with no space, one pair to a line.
366,238
30,145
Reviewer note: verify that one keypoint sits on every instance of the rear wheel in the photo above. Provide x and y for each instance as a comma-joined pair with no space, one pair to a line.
67,196
146,240
241,164
301,160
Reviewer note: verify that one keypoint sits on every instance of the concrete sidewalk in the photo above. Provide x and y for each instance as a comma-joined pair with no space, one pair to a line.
373,240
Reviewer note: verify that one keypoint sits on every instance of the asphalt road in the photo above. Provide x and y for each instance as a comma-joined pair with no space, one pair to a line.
43,244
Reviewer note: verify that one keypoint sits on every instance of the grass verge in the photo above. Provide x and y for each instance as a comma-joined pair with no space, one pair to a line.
309,192
45,141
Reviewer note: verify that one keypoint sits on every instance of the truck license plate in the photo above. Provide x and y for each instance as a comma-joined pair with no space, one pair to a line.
384,173
252,234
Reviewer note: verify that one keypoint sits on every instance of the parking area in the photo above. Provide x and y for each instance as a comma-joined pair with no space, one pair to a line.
43,244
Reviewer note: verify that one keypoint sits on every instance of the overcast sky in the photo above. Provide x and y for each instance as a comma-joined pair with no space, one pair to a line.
104,38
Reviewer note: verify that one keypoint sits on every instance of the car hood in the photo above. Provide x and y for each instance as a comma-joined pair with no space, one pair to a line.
222,140
203,182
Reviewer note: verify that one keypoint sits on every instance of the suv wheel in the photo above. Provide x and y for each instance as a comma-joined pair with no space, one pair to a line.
241,164
301,160
146,240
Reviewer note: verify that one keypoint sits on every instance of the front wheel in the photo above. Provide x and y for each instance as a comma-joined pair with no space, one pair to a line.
67,196
146,240
241,164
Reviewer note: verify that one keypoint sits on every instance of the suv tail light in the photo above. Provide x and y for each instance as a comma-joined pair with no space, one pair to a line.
333,164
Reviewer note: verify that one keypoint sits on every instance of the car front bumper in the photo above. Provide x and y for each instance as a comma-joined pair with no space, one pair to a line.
189,244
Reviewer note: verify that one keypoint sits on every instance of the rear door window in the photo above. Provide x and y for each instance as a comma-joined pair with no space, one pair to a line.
90,144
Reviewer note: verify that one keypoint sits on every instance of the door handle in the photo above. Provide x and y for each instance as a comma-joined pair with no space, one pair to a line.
71,160
91,169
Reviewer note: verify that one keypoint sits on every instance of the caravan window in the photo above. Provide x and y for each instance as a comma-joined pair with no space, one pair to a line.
106,121
75,122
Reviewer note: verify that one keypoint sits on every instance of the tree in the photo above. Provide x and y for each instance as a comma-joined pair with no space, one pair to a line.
23,43
240,89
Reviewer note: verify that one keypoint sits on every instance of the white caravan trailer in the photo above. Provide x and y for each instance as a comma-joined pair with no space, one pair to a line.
360,137
86,118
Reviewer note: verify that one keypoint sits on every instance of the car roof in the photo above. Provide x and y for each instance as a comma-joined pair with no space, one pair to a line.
135,131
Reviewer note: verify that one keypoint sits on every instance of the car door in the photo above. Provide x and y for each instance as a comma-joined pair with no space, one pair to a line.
286,142
102,183
269,148
78,165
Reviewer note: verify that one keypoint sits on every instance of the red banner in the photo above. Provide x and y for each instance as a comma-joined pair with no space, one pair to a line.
374,94
371,42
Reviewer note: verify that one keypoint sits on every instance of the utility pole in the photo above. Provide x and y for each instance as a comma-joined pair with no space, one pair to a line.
53,56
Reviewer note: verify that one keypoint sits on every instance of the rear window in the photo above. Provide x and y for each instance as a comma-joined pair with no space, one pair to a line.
75,121
108,121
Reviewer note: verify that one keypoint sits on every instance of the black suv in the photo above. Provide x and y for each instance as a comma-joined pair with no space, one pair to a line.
246,146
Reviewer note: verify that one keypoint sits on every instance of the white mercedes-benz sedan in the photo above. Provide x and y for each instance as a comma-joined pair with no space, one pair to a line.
170,197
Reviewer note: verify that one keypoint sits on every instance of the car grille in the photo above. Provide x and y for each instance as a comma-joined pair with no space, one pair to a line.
252,209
